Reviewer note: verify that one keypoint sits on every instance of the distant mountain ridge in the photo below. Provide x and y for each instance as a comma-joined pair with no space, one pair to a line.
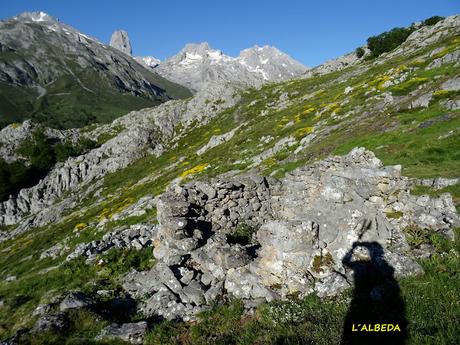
197,65
54,74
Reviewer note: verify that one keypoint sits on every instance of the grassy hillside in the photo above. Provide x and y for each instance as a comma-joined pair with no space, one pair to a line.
322,119
67,104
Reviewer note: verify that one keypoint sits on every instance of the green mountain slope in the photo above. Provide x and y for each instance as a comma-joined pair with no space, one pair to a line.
53,74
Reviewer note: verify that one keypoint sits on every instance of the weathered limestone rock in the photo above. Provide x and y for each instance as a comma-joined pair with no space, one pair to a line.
453,57
217,140
57,322
136,236
422,101
75,300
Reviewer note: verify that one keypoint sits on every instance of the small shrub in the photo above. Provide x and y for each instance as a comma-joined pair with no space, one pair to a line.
301,132
416,235
80,226
242,235
359,52
195,170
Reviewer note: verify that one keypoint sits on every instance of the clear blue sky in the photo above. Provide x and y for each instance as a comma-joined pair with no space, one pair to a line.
310,31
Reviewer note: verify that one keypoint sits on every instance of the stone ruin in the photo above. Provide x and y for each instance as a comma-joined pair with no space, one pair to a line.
259,239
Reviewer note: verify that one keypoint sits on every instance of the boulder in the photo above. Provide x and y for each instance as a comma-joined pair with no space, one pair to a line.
56,322
75,300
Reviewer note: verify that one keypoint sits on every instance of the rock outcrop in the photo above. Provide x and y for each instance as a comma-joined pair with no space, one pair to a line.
120,40
260,239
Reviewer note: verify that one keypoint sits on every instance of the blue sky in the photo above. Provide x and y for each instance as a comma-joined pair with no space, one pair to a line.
309,31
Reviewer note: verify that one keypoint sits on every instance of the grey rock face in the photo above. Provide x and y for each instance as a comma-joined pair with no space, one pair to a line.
216,140
120,41
451,104
198,65
334,65
422,101
260,239
451,85
130,332
437,182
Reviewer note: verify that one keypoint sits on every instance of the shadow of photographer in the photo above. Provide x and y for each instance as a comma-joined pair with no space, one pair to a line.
376,314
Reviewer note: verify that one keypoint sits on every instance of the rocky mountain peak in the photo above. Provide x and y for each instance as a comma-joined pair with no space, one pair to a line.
200,52
120,40
271,63
37,16
257,50
196,47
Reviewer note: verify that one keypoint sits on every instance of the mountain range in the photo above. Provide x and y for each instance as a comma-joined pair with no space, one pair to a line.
197,65
63,78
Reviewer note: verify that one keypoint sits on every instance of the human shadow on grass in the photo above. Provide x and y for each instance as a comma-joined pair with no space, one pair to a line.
376,314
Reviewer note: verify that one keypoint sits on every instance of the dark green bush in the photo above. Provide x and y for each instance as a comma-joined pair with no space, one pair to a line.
388,40
14,176
432,20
